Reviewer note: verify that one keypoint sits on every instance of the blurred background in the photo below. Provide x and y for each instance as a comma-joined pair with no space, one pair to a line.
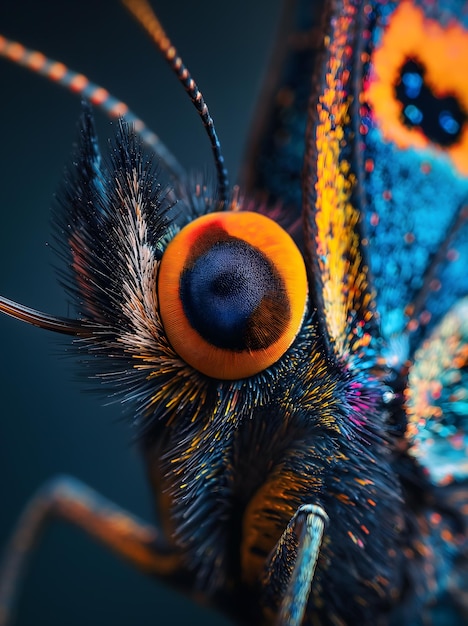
48,424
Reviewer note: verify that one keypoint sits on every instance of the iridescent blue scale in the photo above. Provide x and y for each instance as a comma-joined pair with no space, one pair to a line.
414,197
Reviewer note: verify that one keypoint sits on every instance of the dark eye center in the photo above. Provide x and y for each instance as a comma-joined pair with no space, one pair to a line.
234,297
440,119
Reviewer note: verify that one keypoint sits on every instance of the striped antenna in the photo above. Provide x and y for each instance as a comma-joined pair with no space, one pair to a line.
144,14
79,84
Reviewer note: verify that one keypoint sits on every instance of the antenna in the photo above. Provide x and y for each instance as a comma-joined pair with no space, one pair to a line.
80,85
145,15
63,325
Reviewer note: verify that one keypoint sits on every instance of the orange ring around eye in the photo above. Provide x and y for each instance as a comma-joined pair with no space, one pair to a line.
232,291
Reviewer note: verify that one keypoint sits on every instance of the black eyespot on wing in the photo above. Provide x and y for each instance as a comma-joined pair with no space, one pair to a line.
416,90
441,118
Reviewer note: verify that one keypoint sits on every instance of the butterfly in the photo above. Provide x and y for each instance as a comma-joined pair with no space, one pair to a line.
363,475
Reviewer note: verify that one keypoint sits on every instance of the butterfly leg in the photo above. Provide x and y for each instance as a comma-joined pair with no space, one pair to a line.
296,552
67,498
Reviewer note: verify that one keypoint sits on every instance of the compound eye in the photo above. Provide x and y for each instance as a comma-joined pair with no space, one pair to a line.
232,290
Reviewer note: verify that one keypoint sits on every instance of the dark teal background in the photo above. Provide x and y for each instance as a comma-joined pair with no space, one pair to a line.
48,424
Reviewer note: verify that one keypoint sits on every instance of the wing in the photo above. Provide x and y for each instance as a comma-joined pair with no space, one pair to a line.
438,398
331,213
414,138
385,191
329,198
274,159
